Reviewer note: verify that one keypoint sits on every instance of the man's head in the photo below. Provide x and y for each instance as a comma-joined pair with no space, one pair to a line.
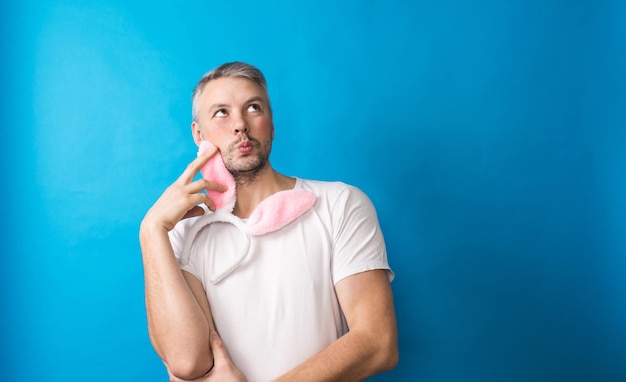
231,109
231,69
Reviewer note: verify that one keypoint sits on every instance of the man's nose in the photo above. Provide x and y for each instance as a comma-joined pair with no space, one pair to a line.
240,126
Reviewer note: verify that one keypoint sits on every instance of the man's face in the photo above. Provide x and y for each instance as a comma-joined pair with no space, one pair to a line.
234,115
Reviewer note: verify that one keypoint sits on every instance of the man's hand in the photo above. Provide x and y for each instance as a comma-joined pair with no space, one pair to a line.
223,369
181,199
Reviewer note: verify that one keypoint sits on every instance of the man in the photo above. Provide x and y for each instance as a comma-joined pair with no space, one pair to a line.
310,301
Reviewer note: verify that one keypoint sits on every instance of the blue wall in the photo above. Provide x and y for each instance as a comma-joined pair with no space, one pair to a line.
491,136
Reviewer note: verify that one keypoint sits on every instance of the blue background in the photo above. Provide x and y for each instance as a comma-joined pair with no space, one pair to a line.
490,135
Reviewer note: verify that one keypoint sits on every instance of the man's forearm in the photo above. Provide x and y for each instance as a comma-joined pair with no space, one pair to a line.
353,357
178,328
371,345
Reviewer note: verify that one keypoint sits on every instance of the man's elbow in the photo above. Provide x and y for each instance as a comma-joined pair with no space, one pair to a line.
389,358
387,355
392,359
189,369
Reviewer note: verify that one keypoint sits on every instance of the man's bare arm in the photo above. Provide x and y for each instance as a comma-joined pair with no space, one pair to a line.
371,345
177,321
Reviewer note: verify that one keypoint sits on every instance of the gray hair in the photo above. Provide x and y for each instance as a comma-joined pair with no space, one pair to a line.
230,69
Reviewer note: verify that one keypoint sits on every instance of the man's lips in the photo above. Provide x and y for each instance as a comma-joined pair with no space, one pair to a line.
245,147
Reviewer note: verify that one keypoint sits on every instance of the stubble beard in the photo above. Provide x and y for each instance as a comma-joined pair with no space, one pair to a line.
248,169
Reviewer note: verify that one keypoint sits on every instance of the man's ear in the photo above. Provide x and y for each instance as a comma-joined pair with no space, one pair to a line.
195,132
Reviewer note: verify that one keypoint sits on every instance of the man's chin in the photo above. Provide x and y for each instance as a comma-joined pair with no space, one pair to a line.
242,168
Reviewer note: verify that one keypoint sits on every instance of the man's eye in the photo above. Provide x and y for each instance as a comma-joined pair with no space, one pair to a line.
220,113
254,107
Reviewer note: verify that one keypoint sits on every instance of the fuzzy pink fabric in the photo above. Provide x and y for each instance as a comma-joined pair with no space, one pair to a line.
215,171
271,214
279,209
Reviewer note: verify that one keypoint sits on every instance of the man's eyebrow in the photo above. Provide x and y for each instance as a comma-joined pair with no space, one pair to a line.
256,99
216,106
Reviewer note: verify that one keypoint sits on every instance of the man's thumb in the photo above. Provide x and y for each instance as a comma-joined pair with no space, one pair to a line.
219,350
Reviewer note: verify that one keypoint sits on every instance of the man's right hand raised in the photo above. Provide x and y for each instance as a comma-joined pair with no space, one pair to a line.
179,318
182,198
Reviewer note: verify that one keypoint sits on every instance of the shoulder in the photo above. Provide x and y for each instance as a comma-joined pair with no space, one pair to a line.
331,188
335,193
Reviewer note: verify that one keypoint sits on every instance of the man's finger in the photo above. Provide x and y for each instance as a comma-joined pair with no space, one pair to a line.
203,184
195,165
194,211
219,350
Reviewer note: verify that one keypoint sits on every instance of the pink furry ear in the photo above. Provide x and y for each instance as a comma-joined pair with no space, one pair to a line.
215,171
280,209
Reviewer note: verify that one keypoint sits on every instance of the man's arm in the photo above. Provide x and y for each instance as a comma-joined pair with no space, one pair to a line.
223,369
371,345
179,321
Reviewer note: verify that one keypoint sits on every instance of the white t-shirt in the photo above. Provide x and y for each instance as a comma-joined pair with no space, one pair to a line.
278,307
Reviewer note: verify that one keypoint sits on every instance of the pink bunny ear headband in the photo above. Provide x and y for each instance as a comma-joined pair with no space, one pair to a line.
272,214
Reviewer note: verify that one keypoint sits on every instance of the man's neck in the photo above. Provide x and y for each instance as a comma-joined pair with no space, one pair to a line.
251,193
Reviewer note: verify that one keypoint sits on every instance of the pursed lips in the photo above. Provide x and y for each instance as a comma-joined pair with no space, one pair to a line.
246,145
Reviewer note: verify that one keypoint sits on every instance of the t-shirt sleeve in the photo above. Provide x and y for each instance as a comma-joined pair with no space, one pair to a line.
358,242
